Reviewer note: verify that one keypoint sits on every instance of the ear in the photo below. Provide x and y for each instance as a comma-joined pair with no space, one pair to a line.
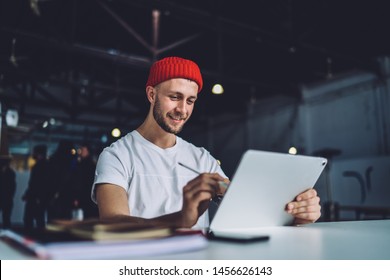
150,94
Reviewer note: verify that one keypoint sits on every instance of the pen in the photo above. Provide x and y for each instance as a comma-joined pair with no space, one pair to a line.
221,183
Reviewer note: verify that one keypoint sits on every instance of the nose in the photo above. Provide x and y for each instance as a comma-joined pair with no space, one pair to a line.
182,107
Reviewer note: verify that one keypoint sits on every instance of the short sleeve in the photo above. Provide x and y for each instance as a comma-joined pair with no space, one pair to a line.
110,169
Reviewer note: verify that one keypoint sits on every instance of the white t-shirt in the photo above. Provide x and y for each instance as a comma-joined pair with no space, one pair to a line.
151,176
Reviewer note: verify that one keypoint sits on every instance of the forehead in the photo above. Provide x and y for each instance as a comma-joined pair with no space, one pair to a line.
179,85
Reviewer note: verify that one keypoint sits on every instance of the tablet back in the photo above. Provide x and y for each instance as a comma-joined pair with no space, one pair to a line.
264,182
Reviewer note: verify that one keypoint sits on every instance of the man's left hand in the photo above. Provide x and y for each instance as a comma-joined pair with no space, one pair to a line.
305,208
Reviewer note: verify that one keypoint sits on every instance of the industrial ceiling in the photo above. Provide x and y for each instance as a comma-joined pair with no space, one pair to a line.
75,69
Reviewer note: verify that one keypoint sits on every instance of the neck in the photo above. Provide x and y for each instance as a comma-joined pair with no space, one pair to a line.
152,132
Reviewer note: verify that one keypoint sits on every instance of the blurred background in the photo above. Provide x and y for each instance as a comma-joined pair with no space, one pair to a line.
305,77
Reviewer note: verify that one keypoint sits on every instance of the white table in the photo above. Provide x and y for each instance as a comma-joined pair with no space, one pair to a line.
365,240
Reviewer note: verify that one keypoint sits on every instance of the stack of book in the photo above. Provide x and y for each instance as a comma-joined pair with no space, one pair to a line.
96,240
99,231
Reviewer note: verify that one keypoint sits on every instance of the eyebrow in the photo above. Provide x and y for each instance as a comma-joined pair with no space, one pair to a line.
180,93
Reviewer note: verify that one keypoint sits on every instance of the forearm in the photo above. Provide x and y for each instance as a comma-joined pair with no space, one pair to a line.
113,206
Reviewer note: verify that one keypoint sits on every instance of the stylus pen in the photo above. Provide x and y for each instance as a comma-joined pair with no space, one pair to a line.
221,183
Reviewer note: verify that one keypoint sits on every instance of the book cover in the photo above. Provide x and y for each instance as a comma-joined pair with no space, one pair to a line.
98,230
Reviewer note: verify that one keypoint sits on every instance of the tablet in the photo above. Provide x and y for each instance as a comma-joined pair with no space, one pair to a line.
264,182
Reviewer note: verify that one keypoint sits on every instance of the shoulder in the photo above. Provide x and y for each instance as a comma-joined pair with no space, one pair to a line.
120,146
119,153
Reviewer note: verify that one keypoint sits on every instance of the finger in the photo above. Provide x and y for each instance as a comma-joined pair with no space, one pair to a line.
304,203
208,186
199,201
207,177
307,209
306,195
306,214
200,197
218,177
221,188
215,182
190,194
223,185
209,182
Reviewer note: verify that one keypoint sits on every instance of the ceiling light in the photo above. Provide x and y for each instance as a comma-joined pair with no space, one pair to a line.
292,151
34,7
116,132
217,89
12,118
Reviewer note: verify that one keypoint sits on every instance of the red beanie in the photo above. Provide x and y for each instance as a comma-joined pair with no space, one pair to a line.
174,67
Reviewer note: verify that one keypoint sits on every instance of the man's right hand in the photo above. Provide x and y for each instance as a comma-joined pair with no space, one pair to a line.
197,195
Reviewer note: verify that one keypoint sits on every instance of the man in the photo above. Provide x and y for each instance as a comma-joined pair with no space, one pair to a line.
7,189
36,195
138,178
84,177
62,175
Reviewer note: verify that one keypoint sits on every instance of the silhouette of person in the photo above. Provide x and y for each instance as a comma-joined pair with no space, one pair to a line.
85,174
7,189
36,194
62,166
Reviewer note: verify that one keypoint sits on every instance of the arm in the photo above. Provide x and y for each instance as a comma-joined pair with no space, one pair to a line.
113,206
305,208
112,201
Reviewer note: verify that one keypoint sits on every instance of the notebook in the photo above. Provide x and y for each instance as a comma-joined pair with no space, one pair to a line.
61,245
264,182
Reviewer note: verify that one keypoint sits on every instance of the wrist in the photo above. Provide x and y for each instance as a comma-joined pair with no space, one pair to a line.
182,220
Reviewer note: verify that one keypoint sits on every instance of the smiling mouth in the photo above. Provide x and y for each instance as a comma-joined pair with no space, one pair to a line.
177,118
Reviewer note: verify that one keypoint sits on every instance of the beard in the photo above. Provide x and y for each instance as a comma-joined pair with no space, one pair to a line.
162,122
